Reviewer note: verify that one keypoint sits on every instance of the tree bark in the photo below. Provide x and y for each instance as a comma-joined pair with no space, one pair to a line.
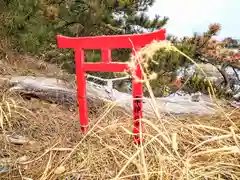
60,92
236,74
222,70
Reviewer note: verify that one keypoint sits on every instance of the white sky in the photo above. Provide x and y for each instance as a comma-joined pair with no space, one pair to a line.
188,16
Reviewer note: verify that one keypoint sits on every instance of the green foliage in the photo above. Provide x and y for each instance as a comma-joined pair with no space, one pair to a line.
28,26
166,62
35,24
195,84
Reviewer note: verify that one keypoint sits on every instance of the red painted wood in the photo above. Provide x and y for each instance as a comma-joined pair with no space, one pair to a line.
105,67
106,55
106,43
81,89
137,94
110,42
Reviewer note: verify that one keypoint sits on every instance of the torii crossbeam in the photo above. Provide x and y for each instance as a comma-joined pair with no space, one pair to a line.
106,44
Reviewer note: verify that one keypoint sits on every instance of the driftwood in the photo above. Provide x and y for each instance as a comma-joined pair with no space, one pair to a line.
60,92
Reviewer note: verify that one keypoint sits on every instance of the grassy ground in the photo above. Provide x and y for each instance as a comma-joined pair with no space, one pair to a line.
189,147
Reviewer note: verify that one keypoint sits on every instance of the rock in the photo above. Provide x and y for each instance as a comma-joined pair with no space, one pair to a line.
196,97
235,104
26,178
5,164
5,161
205,138
60,170
22,159
4,169
18,140
209,69
237,97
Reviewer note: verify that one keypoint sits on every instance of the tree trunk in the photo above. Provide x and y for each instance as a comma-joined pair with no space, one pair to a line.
222,70
60,92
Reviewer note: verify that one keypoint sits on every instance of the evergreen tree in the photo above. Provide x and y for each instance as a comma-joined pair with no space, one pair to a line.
35,24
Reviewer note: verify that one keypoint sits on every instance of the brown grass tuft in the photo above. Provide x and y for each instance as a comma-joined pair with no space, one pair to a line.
186,147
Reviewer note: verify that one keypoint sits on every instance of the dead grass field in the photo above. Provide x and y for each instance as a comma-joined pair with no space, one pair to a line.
187,148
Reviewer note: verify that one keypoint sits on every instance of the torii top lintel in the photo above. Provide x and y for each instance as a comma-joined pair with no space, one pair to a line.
110,42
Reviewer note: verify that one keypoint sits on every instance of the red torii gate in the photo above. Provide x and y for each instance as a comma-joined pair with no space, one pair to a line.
106,43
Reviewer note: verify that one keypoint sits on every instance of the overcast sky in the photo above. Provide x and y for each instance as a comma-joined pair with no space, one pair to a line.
188,16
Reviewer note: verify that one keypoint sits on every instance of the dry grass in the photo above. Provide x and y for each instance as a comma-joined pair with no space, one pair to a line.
187,147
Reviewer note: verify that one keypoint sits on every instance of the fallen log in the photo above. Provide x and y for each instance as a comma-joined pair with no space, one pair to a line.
61,92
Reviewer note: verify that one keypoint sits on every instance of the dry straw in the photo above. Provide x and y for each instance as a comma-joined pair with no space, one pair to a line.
186,147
